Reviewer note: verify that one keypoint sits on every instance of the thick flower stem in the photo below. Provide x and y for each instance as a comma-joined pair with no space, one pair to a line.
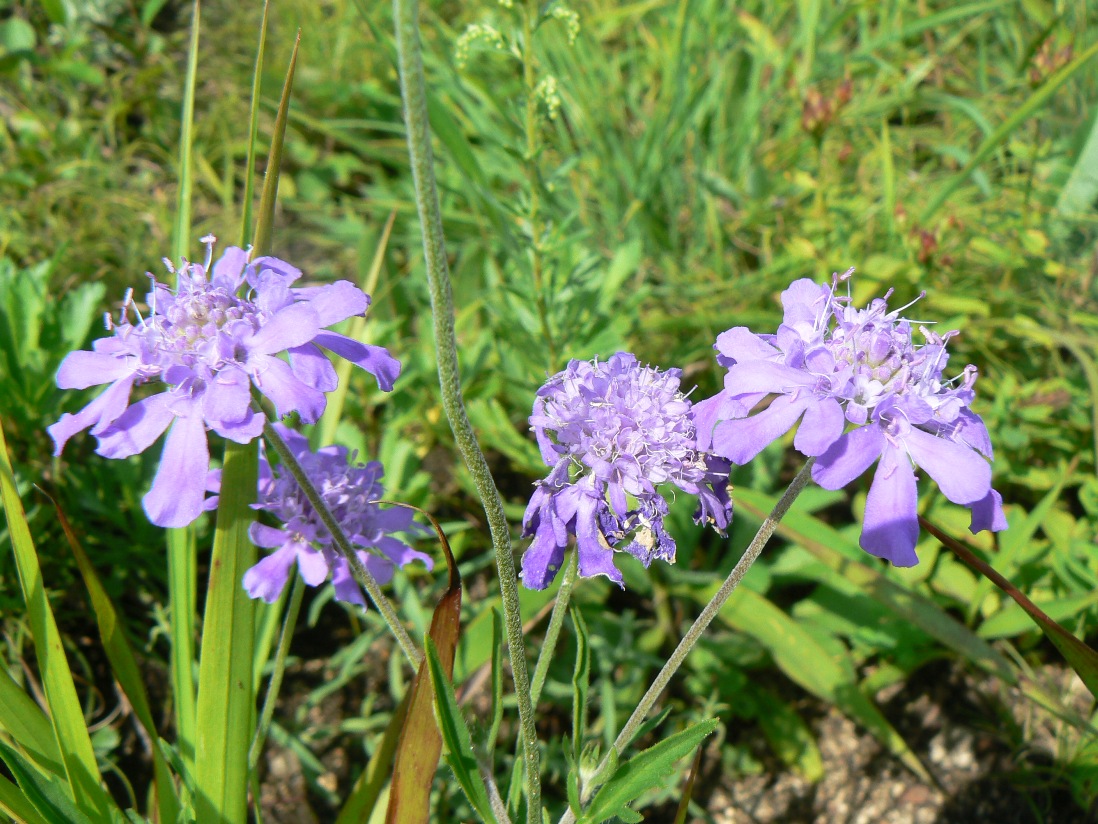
410,61
701,623
344,546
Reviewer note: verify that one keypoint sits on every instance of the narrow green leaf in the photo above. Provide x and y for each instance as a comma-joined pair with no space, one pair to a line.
806,662
1080,192
225,717
364,795
688,789
840,553
642,772
948,17
497,683
48,794
581,680
1081,657
70,729
420,744
261,242
455,734
182,595
24,721
253,131
1014,620
1036,100
182,233
123,666
15,804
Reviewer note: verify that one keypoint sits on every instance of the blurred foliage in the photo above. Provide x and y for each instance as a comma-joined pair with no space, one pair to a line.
683,162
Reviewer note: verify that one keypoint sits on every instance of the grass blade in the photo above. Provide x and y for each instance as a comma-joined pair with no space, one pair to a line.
23,720
360,804
182,234
16,805
124,667
253,131
182,584
226,701
69,727
1005,129
261,241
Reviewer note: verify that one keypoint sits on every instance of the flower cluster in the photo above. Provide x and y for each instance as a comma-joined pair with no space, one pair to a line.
351,492
613,432
864,391
208,345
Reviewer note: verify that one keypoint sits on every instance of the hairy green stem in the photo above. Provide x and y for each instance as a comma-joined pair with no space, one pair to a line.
289,621
343,545
552,632
701,623
412,86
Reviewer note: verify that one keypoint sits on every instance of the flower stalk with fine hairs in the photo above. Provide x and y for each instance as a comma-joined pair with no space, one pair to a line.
701,623
413,91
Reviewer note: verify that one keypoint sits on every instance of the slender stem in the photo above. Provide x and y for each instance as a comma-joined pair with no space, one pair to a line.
289,621
766,530
343,545
410,61
530,15
552,632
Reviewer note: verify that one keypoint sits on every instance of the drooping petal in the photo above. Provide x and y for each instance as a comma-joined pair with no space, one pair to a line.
849,457
137,428
180,484
767,376
268,578
277,381
81,369
345,586
381,568
987,513
311,366
312,565
822,425
595,558
544,556
100,413
267,536
245,430
963,475
401,554
891,526
742,439
227,396
374,359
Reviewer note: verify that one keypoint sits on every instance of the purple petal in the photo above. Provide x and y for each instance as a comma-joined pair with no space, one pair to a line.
81,369
137,428
346,588
337,301
272,267
963,475
891,525
823,424
312,366
849,457
268,578
276,380
374,359
295,325
766,376
230,267
741,440
245,430
380,568
101,412
267,536
312,565
741,344
987,513
595,558
227,396
401,554
180,483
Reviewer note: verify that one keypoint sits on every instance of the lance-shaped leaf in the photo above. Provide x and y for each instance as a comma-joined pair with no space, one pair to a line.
420,743
123,666
641,773
66,713
1081,657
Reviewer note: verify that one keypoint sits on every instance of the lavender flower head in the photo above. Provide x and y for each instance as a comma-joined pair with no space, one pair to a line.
613,432
864,391
351,491
209,344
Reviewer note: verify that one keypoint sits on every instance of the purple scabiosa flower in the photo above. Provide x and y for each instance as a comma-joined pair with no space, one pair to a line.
864,392
613,433
351,491
209,344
